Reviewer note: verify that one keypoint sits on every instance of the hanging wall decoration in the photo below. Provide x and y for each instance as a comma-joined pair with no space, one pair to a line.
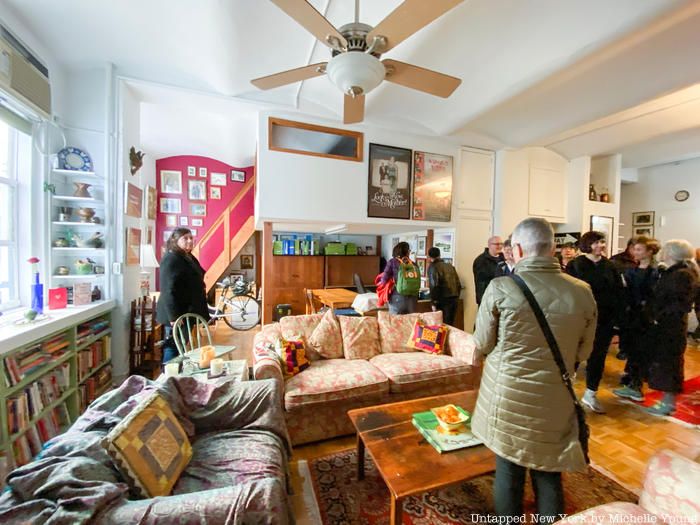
133,246
432,187
389,184
151,203
135,160
133,200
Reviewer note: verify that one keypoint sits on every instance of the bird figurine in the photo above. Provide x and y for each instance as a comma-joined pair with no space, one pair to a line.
135,159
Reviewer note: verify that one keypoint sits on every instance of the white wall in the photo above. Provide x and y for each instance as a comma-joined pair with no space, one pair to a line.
305,188
655,192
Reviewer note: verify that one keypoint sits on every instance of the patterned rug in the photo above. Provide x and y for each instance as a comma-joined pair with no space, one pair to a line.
687,403
343,500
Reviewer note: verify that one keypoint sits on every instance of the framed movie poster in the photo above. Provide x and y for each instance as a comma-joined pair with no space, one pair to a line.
432,187
389,184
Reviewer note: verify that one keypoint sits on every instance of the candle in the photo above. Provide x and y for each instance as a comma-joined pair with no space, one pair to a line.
206,354
172,369
217,366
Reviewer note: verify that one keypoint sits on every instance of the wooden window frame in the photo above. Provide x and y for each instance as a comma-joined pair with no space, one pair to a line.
358,136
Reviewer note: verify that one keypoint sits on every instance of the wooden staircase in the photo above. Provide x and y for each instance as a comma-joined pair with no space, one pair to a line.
221,235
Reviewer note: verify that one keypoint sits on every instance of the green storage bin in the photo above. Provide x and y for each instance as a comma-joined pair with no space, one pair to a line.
350,248
335,248
277,248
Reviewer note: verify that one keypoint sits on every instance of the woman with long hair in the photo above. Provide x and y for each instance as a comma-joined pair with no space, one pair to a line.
182,288
606,284
399,303
673,299
640,282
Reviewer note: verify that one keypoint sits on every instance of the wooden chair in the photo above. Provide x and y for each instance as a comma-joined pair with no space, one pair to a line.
187,332
309,298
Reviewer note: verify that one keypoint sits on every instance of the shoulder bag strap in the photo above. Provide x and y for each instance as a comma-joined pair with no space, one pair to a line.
549,336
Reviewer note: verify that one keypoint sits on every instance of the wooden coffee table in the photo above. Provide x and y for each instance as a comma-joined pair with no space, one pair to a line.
408,464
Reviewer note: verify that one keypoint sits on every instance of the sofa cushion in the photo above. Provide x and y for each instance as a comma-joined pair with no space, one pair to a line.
428,338
360,337
150,448
394,330
412,371
301,327
326,338
334,379
292,356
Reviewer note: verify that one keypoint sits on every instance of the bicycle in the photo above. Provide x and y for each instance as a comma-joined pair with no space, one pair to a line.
237,305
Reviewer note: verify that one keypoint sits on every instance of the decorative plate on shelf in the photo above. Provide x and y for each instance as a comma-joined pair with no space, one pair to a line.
71,158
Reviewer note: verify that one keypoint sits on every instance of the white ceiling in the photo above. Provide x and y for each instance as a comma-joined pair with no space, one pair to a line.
538,72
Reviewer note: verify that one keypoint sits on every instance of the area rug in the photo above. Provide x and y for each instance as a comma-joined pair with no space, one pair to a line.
687,403
343,500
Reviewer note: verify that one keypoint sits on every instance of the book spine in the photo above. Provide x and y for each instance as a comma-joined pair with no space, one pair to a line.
427,437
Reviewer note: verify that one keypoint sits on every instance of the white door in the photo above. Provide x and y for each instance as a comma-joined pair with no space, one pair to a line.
475,180
471,236
547,193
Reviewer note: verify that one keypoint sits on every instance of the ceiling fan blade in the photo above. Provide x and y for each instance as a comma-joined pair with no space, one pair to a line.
354,109
313,21
408,18
290,76
419,78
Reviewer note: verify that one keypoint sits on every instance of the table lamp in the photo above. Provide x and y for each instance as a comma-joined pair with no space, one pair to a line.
148,260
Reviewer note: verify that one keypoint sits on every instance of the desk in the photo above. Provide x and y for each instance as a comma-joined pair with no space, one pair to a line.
334,297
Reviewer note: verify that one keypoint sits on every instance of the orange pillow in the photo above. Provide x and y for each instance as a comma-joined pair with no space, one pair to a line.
292,355
428,338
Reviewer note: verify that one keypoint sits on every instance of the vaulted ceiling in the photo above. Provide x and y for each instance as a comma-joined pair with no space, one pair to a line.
579,76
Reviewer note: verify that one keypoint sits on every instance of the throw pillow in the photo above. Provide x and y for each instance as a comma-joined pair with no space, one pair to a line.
292,356
429,338
360,337
326,338
150,448
295,327
394,330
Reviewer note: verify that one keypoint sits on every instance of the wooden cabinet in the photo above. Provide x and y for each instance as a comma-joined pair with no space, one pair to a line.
474,184
290,274
340,269
547,193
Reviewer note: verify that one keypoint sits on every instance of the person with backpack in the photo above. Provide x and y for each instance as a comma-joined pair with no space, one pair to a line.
406,277
444,286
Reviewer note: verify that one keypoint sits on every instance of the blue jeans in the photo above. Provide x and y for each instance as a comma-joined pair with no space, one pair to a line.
509,485
169,348
402,304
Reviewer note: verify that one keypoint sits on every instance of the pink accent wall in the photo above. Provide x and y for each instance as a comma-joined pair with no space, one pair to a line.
215,207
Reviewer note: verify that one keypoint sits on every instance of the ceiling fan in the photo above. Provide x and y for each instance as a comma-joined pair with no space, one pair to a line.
355,67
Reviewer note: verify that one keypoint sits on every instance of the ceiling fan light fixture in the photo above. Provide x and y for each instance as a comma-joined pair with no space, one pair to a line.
355,73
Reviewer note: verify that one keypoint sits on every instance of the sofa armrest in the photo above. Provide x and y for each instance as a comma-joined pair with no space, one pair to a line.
462,346
670,487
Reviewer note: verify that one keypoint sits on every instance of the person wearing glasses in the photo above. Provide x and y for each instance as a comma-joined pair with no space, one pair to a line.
486,266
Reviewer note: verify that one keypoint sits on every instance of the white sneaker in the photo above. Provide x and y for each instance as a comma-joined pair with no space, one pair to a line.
590,401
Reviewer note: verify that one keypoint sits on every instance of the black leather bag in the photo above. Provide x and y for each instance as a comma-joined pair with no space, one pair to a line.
583,430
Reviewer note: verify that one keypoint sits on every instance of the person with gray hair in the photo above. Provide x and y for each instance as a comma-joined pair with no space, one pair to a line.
524,413
674,295
485,266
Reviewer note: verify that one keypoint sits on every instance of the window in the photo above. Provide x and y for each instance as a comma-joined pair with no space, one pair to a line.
9,251
309,139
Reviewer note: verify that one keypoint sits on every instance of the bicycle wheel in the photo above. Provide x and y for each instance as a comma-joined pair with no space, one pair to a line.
241,312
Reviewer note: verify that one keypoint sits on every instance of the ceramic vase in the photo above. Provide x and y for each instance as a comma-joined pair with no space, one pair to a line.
81,190
37,295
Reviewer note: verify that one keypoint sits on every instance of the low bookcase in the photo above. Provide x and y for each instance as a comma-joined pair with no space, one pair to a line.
47,383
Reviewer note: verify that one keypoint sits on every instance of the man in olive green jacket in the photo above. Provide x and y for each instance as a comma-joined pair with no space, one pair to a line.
524,413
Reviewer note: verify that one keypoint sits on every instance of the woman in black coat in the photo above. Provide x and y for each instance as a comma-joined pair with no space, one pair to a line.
673,299
606,284
181,286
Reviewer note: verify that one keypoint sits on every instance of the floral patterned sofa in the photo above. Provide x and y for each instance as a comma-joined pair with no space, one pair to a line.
360,367
669,495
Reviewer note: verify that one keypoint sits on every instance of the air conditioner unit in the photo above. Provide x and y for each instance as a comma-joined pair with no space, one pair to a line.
23,76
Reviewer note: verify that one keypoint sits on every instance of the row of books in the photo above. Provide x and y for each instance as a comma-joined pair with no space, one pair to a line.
31,359
87,330
92,356
31,442
94,386
25,406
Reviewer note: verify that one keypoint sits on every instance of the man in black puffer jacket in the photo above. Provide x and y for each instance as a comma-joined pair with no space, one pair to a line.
486,266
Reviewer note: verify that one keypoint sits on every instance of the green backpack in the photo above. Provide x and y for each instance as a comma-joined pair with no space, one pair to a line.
408,282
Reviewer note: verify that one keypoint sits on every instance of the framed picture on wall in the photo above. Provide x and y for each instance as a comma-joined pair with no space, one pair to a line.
215,192
389,182
647,231
151,207
432,187
133,246
171,221
170,181
203,173
170,205
421,266
197,222
191,171
604,225
133,197
420,246
217,179
246,262
166,235
643,218
184,220
197,190
444,241
198,210
194,232
237,176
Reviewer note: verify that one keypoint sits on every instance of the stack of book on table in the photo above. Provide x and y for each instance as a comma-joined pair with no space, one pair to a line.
427,424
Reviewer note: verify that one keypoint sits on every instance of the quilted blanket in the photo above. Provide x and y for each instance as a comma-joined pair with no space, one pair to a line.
238,472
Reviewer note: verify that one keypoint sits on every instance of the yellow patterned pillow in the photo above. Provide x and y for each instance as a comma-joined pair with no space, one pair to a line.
150,448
